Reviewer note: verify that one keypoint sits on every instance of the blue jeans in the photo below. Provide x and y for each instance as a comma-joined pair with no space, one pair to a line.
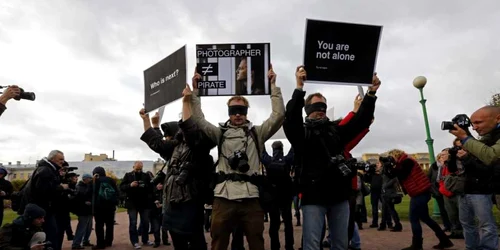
483,236
314,220
132,229
419,211
356,240
83,230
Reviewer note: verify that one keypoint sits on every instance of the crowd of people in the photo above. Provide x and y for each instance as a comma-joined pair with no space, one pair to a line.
233,197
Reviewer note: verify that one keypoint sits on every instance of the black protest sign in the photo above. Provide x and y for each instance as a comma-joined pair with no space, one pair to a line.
340,53
164,81
233,69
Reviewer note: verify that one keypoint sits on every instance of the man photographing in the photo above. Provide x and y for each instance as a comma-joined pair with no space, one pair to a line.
10,93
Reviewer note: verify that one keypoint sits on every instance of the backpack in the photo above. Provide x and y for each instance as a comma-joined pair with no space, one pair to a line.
106,192
278,170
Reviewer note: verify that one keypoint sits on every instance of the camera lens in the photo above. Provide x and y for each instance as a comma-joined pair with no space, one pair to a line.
447,125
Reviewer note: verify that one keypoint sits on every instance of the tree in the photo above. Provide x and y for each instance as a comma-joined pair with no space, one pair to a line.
495,100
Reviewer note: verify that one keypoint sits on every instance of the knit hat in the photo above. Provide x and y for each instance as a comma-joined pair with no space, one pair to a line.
170,128
3,171
277,145
32,211
86,176
99,170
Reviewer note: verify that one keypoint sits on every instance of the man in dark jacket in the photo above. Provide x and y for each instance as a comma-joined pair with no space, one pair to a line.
278,170
481,167
104,201
44,189
319,145
374,178
5,190
186,183
25,232
137,186
83,209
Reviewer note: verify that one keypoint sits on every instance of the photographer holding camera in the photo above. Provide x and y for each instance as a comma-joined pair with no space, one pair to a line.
186,184
416,184
319,147
481,174
138,188
13,92
239,176
25,232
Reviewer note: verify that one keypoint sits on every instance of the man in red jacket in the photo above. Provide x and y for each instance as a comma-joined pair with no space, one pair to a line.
416,184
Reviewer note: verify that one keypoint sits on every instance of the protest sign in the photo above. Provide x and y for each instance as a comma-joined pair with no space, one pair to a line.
233,69
340,53
164,81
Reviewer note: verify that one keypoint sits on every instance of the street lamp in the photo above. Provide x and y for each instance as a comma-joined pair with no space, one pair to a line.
419,83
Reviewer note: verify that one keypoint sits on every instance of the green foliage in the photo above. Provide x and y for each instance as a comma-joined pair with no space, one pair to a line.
17,184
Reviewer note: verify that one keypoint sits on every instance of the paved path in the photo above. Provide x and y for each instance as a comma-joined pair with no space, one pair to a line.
371,239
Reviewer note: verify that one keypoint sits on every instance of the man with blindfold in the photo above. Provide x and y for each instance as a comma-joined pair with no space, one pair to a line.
319,145
236,201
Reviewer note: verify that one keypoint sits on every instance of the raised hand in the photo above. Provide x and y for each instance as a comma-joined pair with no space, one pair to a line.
357,103
156,120
300,76
375,83
196,78
143,114
187,93
271,75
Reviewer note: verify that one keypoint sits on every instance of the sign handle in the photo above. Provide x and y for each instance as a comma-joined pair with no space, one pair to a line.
360,90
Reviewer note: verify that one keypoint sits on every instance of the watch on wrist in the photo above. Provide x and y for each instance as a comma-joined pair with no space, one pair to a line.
372,92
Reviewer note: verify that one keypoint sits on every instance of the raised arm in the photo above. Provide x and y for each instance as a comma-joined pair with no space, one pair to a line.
289,157
155,140
293,126
210,130
270,126
266,158
363,118
483,152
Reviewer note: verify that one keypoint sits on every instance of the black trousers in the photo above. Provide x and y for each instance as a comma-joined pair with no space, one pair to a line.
103,218
278,210
62,221
194,241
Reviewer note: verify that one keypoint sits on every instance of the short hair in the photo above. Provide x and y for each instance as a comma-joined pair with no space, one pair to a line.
238,98
310,97
53,154
456,140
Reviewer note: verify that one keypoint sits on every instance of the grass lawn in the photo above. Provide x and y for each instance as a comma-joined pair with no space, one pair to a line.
404,207
10,215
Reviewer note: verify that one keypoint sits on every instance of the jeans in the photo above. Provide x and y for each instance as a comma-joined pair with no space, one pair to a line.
443,212
375,197
452,210
296,207
83,230
132,229
156,221
483,236
356,240
419,211
314,220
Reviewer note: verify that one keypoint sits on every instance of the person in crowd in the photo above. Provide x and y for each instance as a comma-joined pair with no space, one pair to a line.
137,186
319,147
104,201
83,209
44,189
10,93
6,190
63,203
391,194
278,169
374,178
418,187
188,176
26,231
238,169
433,173
449,198
156,214
479,162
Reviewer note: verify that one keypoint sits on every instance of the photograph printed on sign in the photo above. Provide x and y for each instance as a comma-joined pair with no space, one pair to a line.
233,69
164,81
340,53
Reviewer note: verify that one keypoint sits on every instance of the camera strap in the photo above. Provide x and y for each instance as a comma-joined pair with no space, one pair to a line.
251,132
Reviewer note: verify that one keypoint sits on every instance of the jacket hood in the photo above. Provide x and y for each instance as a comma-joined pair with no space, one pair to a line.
170,128
99,170
277,149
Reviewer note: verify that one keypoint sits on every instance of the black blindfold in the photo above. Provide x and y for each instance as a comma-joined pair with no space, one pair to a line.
317,106
238,110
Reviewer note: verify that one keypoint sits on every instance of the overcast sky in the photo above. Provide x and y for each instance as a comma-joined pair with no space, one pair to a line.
85,62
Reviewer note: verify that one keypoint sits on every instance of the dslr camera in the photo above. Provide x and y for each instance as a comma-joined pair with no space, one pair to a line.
239,161
454,150
141,184
461,120
388,164
342,164
22,95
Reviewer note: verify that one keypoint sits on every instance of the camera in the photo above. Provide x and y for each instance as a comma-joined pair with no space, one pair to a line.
47,245
368,168
184,170
454,150
239,161
343,164
388,164
461,120
141,184
23,94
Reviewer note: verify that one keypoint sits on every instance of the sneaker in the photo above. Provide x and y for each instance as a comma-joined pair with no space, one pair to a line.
149,243
137,246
